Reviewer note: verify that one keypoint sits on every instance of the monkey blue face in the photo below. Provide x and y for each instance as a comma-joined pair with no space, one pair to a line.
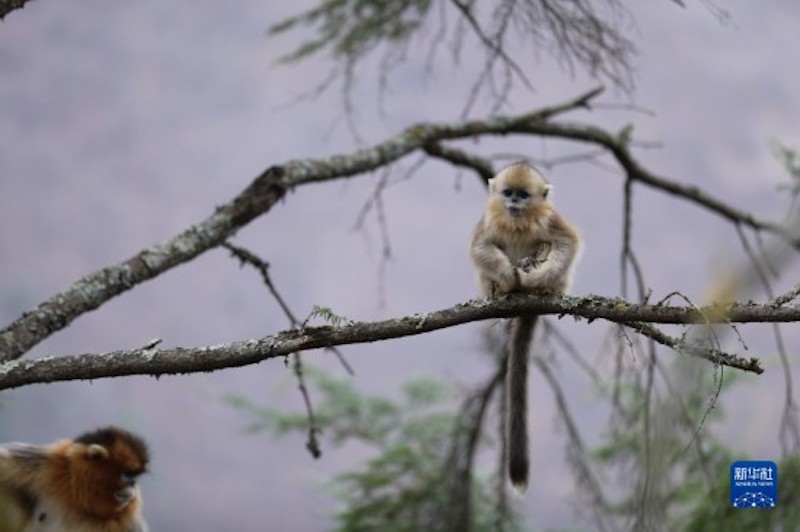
516,200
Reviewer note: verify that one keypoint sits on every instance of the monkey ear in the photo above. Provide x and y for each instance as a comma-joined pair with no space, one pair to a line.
547,190
491,184
97,452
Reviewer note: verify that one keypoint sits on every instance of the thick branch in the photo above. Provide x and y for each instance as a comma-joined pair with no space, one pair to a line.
158,362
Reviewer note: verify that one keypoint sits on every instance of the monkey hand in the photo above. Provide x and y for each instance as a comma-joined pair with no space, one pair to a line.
536,259
533,279
505,282
527,264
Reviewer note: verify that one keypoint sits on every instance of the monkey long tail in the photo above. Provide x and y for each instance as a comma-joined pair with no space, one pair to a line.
517,401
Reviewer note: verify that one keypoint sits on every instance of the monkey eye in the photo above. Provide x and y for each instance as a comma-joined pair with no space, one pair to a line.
130,475
516,193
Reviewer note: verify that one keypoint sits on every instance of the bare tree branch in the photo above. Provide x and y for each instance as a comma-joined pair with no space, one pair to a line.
172,361
495,47
266,190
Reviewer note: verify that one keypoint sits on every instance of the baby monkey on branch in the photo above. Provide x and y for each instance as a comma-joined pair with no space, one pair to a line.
522,244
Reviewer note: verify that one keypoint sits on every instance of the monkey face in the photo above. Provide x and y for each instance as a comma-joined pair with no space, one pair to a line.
108,463
516,200
125,475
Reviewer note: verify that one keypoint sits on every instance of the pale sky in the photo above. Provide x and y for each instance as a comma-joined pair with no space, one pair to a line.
124,123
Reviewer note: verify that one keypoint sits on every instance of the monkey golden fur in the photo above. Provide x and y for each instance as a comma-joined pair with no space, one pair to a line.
83,485
522,244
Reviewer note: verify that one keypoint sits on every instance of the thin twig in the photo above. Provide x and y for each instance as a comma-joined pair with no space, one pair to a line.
247,257
577,449
495,47
549,329
713,355
783,299
312,444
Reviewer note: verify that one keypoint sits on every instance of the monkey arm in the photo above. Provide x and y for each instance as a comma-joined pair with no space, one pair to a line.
497,274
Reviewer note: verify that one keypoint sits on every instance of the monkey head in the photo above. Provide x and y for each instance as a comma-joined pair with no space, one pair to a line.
519,189
106,464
